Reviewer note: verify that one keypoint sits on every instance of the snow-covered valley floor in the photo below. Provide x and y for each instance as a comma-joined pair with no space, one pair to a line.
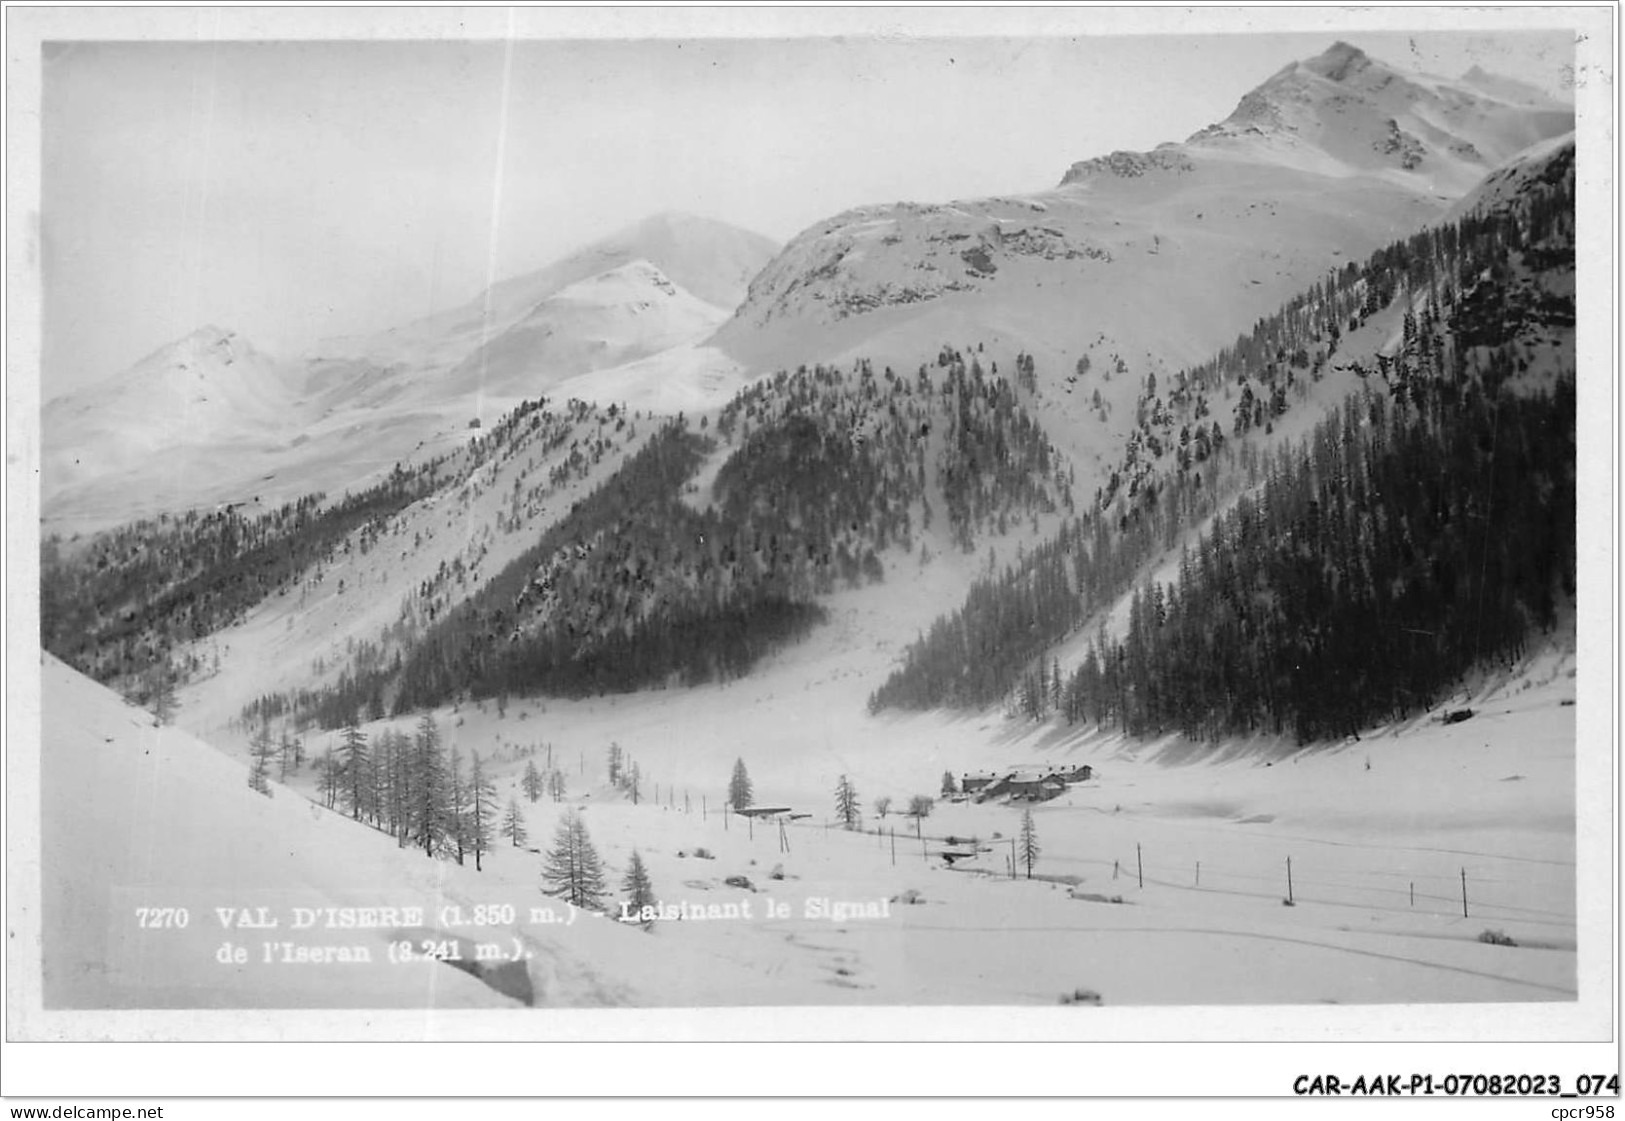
1382,835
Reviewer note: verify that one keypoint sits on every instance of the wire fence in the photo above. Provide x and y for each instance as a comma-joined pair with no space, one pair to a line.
1494,888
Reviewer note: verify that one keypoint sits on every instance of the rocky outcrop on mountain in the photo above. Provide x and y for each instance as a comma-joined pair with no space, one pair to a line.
1129,165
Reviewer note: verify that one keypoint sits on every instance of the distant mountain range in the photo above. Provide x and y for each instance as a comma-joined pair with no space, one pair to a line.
1148,260
184,426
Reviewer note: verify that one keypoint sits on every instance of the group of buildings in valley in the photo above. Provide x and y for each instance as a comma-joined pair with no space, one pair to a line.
1022,784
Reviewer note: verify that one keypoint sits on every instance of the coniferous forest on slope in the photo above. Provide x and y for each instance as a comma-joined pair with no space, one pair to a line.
1409,542
1339,591
116,610
648,582
1426,528
118,605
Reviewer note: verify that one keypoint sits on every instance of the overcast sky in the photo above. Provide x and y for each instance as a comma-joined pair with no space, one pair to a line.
298,190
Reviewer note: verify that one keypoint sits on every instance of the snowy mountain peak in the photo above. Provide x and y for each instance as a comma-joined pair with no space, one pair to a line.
209,388
1313,94
633,280
711,259
1338,62
1345,113
207,341
211,363
674,224
620,315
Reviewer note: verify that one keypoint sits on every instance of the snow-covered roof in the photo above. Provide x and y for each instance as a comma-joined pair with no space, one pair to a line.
1028,776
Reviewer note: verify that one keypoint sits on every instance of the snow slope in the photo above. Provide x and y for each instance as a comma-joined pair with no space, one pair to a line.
686,378
175,825
178,828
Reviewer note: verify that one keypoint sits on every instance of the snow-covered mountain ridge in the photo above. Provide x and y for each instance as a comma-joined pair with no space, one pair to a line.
1322,163
209,420
1367,117
130,442
618,316
712,260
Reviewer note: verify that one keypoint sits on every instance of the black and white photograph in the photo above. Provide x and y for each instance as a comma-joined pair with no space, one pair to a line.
1082,514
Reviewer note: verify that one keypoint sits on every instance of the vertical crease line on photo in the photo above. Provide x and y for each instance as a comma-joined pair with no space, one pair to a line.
499,171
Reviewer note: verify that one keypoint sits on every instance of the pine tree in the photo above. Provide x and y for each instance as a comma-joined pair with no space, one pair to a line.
457,818
639,892
739,790
1027,843
513,824
400,786
531,783
573,871
949,786
329,768
555,785
163,694
288,754
260,751
429,789
353,767
846,803
482,810
378,778
634,783
616,758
